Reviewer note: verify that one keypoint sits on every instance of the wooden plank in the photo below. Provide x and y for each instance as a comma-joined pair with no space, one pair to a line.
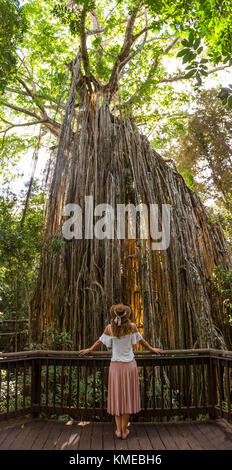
41,438
142,436
120,444
185,430
132,440
108,436
205,441
179,439
210,427
13,333
221,437
68,437
15,422
86,436
97,436
154,436
51,435
166,437
4,433
64,440
223,424
73,440
24,442
10,438
29,431
55,432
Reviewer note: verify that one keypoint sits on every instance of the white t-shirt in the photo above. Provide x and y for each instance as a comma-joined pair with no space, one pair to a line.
122,349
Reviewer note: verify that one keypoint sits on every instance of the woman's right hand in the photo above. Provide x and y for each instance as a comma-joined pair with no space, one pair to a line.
157,351
82,352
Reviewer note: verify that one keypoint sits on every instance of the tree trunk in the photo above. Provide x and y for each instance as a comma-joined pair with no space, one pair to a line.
169,290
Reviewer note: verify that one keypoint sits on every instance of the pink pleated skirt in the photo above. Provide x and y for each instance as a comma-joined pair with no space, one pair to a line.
123,388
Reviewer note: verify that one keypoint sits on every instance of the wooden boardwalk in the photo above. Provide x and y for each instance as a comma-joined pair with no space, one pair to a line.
55,435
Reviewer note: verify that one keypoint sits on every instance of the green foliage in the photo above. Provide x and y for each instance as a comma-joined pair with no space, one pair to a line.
55,245
226,95
54,339
13,25
204,148
205,26
53,40
209,19
189,178
68,17
224,217
19,251
225,406
10,393
222,282
12,149
71,15
191,51
57,339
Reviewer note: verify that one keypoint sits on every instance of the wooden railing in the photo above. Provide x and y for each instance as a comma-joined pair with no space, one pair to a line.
16,330
185,383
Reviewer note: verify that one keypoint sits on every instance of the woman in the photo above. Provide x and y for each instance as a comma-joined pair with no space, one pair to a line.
123,381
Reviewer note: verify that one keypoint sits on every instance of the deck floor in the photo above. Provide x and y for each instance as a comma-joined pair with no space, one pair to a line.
55,435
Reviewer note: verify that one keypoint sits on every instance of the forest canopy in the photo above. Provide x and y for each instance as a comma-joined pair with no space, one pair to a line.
196,33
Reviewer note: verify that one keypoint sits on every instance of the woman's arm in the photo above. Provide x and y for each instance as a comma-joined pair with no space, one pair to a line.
95,345
92,348
145,343
148,346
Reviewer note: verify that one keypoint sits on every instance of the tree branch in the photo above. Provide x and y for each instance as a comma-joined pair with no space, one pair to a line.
21,110
52,125
144,30
154,65
141,46
12,125
171,45
30,93
182,76
84,51
90,32
37,95
124,52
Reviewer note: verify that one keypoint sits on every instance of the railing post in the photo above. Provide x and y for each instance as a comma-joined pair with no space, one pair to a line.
35,386
212,388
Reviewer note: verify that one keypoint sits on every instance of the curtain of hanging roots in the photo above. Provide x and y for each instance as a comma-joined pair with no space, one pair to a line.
169,290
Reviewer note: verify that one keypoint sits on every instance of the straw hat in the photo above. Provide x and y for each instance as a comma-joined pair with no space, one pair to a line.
120,313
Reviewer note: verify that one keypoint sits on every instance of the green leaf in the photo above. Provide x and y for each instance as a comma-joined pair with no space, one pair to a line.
196,43
229,102
188,57
183,52
190,66
185,42
190,73
191,38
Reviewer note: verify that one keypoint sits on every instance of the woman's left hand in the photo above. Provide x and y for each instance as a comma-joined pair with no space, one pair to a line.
84,351
157,350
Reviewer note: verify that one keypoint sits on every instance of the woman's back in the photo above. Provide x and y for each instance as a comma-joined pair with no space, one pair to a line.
122,347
